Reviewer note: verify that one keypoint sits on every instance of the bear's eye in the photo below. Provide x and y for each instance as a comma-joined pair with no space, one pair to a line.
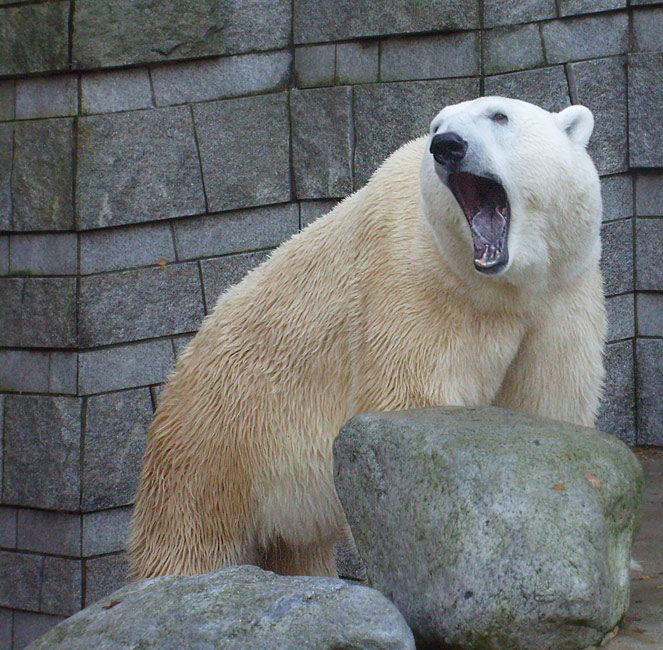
501,118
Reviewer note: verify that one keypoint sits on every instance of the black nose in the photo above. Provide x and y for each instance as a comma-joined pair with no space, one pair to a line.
448,148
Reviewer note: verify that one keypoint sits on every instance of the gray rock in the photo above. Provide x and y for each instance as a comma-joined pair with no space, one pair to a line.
61,586
42,175
6,159
617,408
513,48
4,254
34,38
357,62
7,99
138,31
8,524
617,195
617,257
346,19
44,531
103,575
570,7
650,314
322,139
315,66
645,97
41,254
621,322
115,438
230,76
388,115
545,87
123,248
251,136
430,57
38,372
180,342
38,312
312,210
499,12
140,304
118,90
650,399
138,166
6,627
20,579
222,273
46,97
239,607
585,38
105,531
648,261
126,366
648,30
42,441
29,626
460,518
601,86
649,194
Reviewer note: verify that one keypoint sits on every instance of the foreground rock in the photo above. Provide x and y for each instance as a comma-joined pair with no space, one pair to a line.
490,529
236,608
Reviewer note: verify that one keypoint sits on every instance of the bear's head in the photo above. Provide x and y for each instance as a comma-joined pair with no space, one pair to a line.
510,189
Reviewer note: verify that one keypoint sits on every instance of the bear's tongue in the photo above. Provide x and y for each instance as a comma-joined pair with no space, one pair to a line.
485,205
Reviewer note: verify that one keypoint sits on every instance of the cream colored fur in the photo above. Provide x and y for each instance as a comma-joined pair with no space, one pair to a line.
375,306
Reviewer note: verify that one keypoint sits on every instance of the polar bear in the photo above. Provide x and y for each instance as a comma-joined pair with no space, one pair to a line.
466,272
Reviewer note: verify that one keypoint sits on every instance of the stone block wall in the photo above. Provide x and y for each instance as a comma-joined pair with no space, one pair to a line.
152,153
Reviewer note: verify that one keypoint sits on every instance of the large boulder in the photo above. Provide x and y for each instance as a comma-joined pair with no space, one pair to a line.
234,609
490,529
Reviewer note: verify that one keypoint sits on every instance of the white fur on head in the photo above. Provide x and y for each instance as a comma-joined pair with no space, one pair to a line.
577,122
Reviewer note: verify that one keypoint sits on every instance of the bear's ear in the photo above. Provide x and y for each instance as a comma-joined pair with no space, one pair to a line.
577,122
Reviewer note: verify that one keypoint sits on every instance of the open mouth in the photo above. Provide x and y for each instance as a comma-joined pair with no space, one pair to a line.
487,211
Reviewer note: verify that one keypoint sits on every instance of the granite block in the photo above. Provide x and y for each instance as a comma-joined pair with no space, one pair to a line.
8,527
617,195
650,383
180,342
501,12
322,141
571,7
312,210
20,580
44,254
46,97
29,626
251,136
648,260
116,90
6,168
648,30
315,66
617,409
357,62
650,313
645,98
42,437
6,628
137,166
649,194
104,575
545,87
621,319
35,371
44,531
106,531
617,257
115,438
512,48
61,586
4,254
7,100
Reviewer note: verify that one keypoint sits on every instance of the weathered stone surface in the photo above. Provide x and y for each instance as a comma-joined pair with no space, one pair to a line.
115,438
457,518
42,175
137,31
617,195
617,408
221,273
601,86
648,261
250,136
388,115
650,314
315,66
139,364
46,97
512,48
233,76
104,575
106,531
20,578
570,7
34,38
180,342
8,527
29,626
545,87
7,99
127,247
140,304
617,257
37,371
357,62
6,159
138,166
4,255
322,135
430,57
38,312
649,194
320,21
645,98
650,399
499,12
311,210
235,232
55,254
43,531
585,38
648,30
42,437
6,627
621,323
118,90
61,586
239,607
